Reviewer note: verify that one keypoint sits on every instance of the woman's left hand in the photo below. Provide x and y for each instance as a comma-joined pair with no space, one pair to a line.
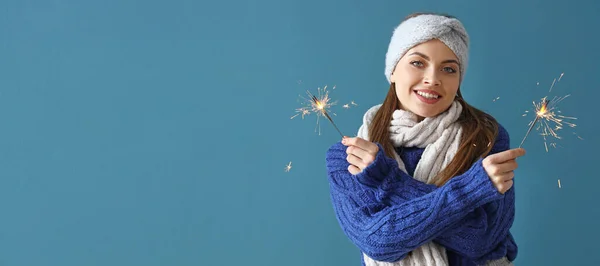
361,153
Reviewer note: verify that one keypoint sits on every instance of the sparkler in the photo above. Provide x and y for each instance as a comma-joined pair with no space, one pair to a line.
549,118
288,167
542,109
319,105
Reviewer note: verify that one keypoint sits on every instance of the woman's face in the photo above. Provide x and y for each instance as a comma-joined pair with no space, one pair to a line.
427,79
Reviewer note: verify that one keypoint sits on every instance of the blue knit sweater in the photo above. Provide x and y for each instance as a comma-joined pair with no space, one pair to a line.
386,213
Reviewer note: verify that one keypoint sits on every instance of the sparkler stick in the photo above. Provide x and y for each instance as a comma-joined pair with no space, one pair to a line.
529,130
537,117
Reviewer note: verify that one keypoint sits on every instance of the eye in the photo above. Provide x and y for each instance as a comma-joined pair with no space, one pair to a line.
449,70
416,63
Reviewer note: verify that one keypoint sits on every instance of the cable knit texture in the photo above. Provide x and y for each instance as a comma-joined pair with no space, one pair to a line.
494,211
440,136
388,214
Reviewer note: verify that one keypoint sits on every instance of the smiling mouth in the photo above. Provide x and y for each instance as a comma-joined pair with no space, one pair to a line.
428,95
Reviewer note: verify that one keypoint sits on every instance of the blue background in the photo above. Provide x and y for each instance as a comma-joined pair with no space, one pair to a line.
157,132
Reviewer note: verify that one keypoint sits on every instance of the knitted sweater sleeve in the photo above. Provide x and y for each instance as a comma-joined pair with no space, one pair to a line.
386,214
484,233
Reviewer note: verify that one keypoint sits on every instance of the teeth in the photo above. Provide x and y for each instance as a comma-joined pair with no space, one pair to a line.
427,95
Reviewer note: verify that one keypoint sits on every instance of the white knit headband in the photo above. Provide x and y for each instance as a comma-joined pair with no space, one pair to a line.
423,28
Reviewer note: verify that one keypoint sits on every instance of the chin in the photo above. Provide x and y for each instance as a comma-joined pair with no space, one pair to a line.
427,113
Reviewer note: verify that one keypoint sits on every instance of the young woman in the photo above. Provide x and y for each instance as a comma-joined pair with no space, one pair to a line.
428,180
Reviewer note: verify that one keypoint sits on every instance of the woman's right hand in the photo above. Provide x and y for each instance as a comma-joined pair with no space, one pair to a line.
361,153
500,167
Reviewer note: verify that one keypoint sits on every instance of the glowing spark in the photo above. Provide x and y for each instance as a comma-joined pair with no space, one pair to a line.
319,105
549,118
550,122
553,82
288,167
301,111
552,86
347,106
497,98
559,186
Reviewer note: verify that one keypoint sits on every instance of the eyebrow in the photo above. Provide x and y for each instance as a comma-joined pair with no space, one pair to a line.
428,59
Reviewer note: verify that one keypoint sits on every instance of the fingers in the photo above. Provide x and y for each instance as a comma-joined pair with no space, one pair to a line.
507,155
503,182
501,168
368,146
503,178
363,155
353,169
502,188
356,161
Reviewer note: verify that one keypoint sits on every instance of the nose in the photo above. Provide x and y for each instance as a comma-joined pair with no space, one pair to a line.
431,78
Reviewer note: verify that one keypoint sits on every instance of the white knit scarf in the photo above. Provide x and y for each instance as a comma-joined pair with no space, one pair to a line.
440,136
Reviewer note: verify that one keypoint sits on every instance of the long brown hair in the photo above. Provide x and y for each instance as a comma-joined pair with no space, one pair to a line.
479,132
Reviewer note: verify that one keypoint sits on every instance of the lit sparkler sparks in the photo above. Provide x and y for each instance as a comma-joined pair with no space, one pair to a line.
347,106
559,186
320,106
301,111
549,118
288,167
